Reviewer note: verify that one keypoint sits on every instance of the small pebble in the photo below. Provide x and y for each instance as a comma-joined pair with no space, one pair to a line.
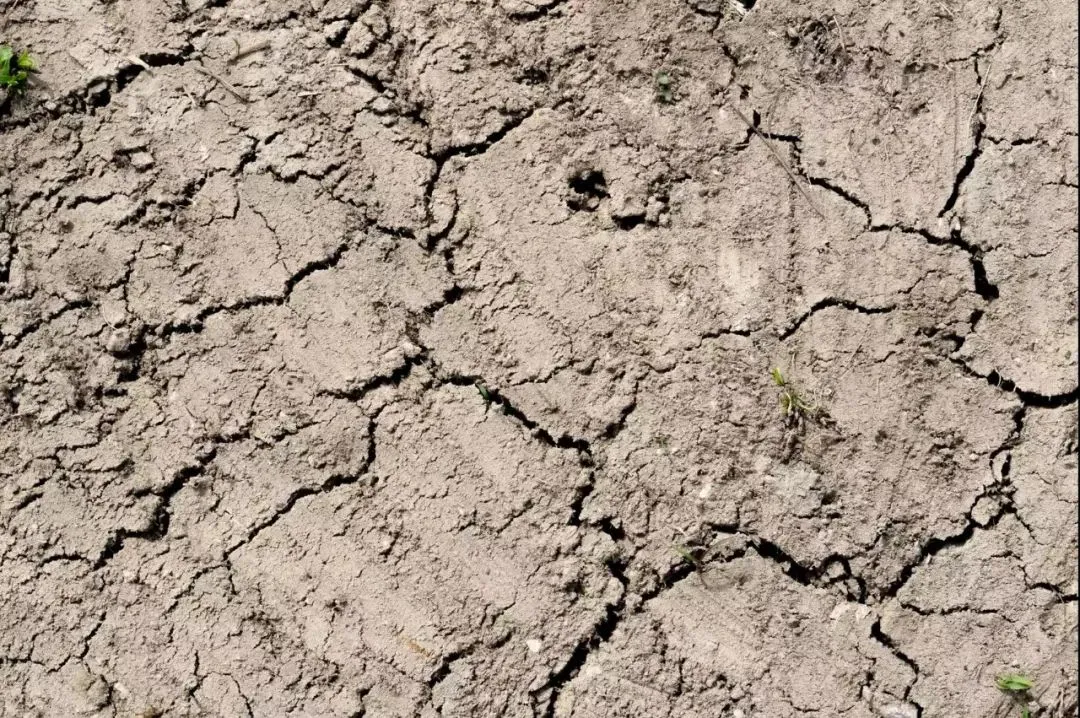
381,105
119,341
142,160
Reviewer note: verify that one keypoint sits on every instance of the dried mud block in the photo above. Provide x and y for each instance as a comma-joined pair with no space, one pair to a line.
740,638
612,299
1043,470
334,332
900,159
984,619
901,460
456,568
1031,77
275,230
98,38
85,254
881,270
882,113
358,317
250,482
1018,207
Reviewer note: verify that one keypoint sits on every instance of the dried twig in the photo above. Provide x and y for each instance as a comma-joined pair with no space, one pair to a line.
242,52
222,81
978,98
773,151
839,31
136,60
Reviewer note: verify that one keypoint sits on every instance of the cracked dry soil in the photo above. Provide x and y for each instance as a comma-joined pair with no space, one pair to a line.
246,304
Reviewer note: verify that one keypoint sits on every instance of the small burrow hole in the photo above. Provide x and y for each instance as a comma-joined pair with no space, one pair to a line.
587,188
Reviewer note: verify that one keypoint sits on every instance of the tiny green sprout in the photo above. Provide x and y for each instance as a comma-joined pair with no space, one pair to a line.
1016,686
687,555
485,393
15,69
664,84
1014,683
792,405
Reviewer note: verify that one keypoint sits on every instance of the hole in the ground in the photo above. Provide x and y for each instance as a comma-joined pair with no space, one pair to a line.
99,96
163,59
983,287
587,188
126,75
628,222
590,182
1000,382
532,76
337,38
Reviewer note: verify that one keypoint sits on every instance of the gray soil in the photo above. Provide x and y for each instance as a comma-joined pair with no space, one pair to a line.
417,361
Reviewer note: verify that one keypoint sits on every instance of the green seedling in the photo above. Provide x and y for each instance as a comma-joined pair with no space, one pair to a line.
792,404
1017,686
491,397
15,69
1013,683
664,84
687,555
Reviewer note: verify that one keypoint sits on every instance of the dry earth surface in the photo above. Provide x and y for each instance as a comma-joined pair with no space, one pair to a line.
415,361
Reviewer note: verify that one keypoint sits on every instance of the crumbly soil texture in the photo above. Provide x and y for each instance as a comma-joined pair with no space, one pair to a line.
399,358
